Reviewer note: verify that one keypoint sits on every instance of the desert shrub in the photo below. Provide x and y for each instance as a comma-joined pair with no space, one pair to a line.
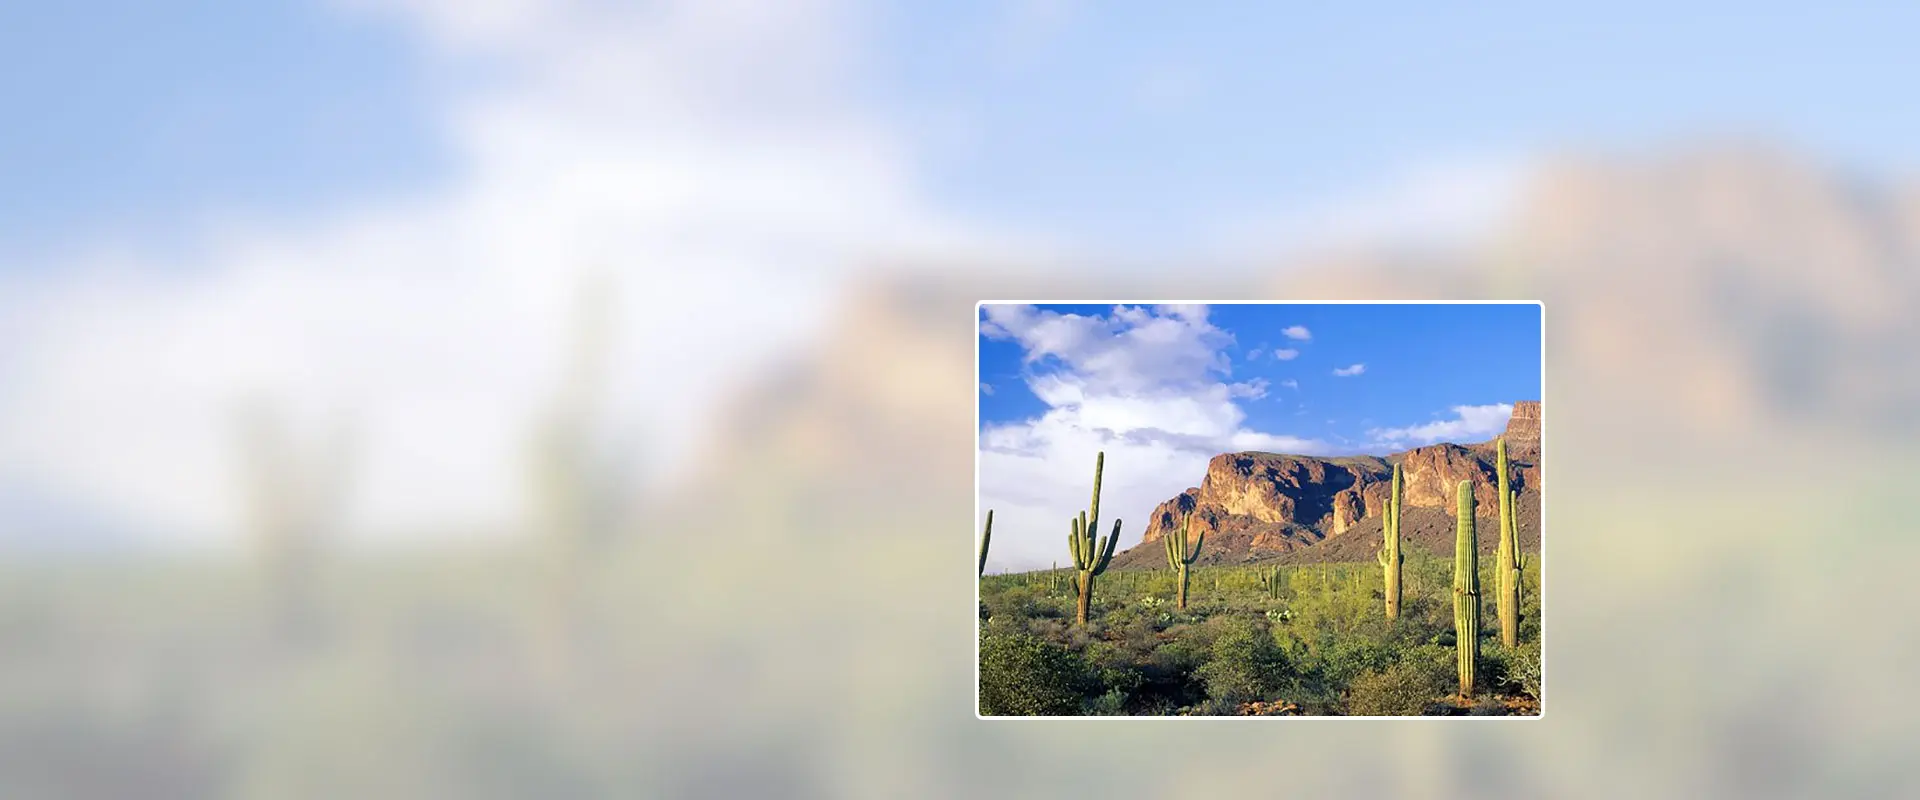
1023,602
1175,659
1111,704
1345,659
1021,675
1113,667
1052,630
1245,665
1515,669
1436,659
1213,707
1404,689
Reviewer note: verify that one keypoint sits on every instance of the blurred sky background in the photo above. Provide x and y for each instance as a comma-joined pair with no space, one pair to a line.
377,209
471,399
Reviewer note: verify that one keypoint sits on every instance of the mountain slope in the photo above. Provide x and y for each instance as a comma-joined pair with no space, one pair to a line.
1301,509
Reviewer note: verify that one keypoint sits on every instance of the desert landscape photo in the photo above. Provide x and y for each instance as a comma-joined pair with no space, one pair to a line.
1337,551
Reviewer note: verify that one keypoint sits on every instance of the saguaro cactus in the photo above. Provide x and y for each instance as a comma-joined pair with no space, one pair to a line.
985,537
1091,556
1270,582
1507,559
1179,558
1466,589
1389,554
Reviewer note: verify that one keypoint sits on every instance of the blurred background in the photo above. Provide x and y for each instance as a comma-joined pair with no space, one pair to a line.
503,399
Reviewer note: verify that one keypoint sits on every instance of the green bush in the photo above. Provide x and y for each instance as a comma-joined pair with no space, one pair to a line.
1246,665
1345,660
1111,704
1402,690
1023,676
1516,669
1023,602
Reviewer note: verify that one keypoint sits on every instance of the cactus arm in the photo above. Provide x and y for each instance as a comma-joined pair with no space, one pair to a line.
985,537
1105,547
1092,515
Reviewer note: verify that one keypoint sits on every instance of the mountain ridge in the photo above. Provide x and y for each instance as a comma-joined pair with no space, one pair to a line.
1257,506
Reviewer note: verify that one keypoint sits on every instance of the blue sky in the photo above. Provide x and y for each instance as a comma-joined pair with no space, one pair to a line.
1120,125
1420,361
1161,389
136,120
309,199
1216,109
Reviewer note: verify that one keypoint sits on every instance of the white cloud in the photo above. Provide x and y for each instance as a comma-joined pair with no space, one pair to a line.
1149,387
1255,354
1347,372
986,388
1469,424
1252,390
1286,354
1298,333
1132,350
712,158
1291,384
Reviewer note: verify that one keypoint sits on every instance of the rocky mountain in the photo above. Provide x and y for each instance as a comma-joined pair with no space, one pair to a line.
1264,506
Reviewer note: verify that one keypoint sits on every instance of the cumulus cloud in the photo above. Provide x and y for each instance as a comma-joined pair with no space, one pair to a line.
1298,333
1469,424
1348,372
1291,384
1285,354
1149,386
1255,354
986,388
659,145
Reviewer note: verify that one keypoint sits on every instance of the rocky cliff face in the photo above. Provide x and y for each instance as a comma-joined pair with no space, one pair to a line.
1523,431
1256,505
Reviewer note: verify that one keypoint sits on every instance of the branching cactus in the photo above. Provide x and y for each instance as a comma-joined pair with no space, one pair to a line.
1270,581
1466,589
985,537
1389,554
1507,559
1179,558
1090,555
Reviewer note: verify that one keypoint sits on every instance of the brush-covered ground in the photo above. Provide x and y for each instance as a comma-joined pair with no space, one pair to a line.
1319,645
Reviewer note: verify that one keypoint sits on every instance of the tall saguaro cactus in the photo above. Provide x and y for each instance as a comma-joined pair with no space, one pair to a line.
985,537
1178,557
1508,560
1091,556
1270,582
1389,554
1466,589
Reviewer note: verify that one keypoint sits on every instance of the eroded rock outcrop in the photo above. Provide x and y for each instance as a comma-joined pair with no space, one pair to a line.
1253,504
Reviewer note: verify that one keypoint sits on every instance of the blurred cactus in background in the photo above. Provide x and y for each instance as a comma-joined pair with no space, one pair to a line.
295,494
